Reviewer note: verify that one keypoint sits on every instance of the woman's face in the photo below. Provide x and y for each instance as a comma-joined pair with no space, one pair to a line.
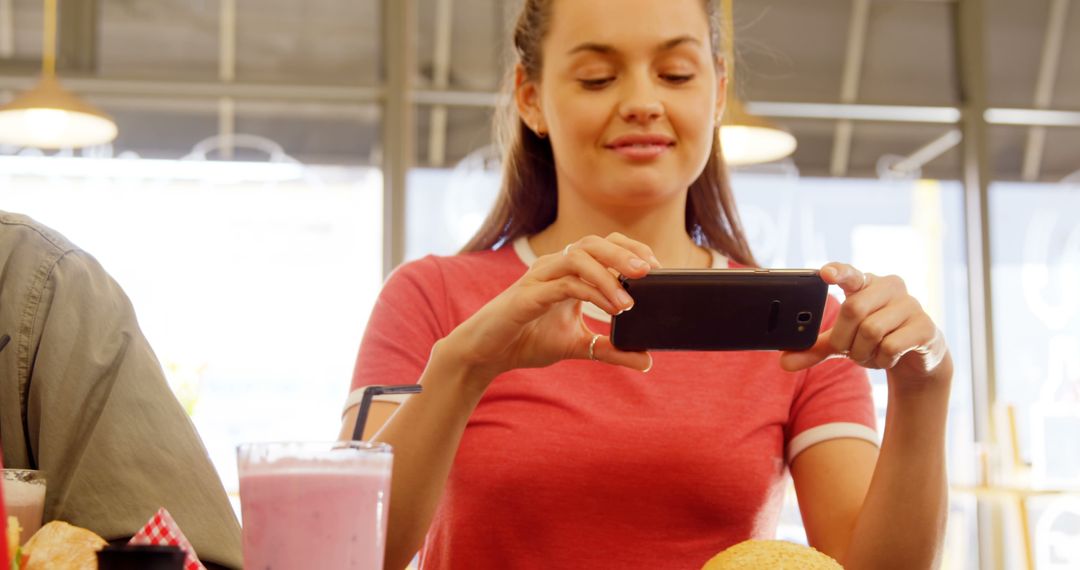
629,94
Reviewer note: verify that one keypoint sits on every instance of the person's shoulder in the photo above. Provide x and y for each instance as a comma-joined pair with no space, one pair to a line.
445,282
36,253
485,263
23,233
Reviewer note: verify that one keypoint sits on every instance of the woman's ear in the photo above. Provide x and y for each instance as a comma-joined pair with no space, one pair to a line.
527,99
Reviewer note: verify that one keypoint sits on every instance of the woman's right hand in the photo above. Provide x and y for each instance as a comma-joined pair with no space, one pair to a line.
537,321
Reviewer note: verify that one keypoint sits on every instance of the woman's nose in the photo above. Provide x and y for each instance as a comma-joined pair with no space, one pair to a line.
640,103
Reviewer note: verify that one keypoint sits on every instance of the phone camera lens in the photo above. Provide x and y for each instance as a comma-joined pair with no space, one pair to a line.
804,317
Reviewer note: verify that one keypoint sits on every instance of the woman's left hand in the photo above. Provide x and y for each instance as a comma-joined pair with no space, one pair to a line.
880,326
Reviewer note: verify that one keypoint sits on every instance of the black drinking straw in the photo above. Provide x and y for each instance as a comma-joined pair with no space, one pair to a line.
365,403
4,340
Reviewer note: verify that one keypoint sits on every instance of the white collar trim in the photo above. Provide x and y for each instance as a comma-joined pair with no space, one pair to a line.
527,256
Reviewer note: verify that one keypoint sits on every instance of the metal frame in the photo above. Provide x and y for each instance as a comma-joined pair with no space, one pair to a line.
334,96
399,58
1033,117
187,90
849,87
1044,85
928,152
7,29
227,74
969,18
444,25
78,35
970,57
7,37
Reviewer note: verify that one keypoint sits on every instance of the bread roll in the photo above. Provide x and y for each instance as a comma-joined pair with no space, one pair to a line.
61,546
771,555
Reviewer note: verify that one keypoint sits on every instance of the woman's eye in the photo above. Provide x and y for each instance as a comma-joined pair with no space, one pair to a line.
676,78
596,83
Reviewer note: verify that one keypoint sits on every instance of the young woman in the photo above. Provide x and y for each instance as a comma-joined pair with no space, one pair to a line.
537,444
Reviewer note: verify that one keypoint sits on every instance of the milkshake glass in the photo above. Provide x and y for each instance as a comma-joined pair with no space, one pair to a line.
24,499
314,505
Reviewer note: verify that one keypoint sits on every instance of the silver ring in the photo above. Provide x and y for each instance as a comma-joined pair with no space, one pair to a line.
566,250
592,346
865,280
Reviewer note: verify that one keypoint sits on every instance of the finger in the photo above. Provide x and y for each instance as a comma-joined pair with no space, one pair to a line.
915,336
580,263
571,287
874,328
604,351
610,254
849,279
641,250
854,311
793,361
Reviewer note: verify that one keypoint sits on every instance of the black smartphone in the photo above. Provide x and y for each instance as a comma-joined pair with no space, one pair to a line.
722,309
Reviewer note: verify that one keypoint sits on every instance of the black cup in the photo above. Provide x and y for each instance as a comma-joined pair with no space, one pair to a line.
141,557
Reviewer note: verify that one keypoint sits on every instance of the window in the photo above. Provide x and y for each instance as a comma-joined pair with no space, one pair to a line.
252,281
1035,243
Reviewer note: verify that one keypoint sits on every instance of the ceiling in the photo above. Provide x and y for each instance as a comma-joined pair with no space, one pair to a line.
788,51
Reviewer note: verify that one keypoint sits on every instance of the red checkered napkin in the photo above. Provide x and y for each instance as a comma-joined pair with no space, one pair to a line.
162,530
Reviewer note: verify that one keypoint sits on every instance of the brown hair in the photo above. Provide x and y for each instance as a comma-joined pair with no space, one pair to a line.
527,202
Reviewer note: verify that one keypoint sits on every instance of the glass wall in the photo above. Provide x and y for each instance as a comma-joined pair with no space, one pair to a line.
252,281
1035,245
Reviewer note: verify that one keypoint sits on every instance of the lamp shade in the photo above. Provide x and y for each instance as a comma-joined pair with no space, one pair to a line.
748,139
51,117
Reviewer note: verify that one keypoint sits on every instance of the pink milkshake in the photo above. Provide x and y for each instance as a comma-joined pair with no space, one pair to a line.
308,505
24,498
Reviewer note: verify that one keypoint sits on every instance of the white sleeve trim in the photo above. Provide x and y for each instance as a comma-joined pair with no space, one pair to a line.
837,430
356,395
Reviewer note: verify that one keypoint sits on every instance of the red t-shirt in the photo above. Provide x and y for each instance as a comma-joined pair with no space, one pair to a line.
588,465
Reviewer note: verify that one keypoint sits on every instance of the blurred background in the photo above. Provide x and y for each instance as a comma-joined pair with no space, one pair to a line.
274,159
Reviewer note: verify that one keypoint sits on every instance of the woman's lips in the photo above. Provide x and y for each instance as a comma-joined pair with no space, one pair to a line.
641,147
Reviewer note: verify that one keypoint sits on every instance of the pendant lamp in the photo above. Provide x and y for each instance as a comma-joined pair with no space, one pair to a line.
49,116
745,138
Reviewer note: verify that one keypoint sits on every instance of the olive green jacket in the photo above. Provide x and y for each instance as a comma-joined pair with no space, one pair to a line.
84,399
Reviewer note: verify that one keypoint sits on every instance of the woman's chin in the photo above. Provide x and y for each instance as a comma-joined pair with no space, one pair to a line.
661,179
638,192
